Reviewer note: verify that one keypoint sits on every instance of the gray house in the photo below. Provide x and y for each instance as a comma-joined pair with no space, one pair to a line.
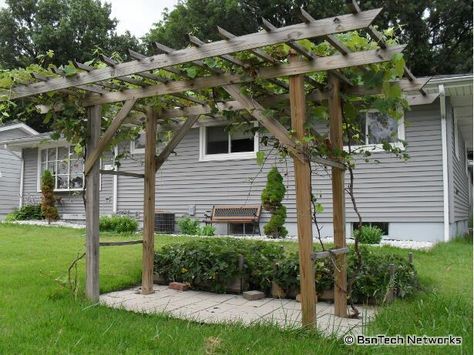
11,167
427,197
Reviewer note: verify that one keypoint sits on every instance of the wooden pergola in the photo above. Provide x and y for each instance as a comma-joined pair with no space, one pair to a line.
142,73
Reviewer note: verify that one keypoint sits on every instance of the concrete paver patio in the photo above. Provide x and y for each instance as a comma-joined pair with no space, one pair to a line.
209,307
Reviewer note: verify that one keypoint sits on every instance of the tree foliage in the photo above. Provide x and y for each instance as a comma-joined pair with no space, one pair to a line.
72,29
438,32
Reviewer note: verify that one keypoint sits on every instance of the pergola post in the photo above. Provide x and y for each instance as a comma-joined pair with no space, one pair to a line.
303,203
149,201
338,200
94,114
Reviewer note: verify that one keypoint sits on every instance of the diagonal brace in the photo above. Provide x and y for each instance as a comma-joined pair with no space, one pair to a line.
173,143
108,135
274,126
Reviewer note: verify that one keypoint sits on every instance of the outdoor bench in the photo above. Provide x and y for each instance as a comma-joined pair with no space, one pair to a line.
235,214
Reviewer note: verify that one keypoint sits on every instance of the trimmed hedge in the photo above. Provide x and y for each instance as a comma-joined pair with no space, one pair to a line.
213,264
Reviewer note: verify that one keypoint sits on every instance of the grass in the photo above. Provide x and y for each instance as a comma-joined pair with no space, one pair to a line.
38,315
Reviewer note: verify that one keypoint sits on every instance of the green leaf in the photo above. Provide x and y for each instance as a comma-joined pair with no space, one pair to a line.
398,64
319,208
260,158
70,70
192,72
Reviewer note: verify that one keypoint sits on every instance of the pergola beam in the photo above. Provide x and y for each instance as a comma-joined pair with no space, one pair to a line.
231,59
168,50
90,88
309,55
303,194
338,199
323,63
125,79
379,38
331,39
150,76
296,32
233,105
92,207
138,56
149,202
258,52
268,26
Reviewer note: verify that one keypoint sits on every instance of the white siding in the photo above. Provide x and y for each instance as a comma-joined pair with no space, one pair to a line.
390,191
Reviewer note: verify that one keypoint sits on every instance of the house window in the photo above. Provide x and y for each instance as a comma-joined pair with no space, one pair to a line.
221,143
382,225
66,167
137,146
374,128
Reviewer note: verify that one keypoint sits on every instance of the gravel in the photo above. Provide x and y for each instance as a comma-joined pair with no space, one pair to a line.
53,224
402,244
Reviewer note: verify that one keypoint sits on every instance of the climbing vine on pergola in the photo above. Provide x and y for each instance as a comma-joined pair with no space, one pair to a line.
331,67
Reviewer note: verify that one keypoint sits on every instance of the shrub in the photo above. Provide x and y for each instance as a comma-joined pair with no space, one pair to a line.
272,195
188,226
368,235
372,282
275,227
212,264
26,212
207,230
50,212
118,224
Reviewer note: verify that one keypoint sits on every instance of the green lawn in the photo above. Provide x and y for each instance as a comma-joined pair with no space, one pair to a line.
37,315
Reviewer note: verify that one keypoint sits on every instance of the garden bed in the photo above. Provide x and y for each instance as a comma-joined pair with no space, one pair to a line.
211,264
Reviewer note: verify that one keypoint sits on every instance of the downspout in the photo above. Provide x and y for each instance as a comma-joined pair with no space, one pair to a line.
444,148
115,184
22,178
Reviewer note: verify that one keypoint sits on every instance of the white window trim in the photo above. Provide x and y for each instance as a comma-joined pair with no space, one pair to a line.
38,175
134,150
226,156
376,148
456,138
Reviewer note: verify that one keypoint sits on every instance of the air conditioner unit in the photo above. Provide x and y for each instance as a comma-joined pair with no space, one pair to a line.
165,222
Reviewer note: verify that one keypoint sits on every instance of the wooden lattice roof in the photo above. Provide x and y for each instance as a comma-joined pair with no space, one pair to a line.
102,85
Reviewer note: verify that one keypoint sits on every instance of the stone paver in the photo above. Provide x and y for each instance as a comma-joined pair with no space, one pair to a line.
209,307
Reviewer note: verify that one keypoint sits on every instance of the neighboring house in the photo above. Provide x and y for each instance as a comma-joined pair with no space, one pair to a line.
427,197
11,167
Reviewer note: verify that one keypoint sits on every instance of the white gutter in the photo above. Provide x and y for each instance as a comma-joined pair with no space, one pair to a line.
115,184
22,178
444,148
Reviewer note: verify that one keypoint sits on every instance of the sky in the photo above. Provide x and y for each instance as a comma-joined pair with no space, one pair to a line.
136,16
